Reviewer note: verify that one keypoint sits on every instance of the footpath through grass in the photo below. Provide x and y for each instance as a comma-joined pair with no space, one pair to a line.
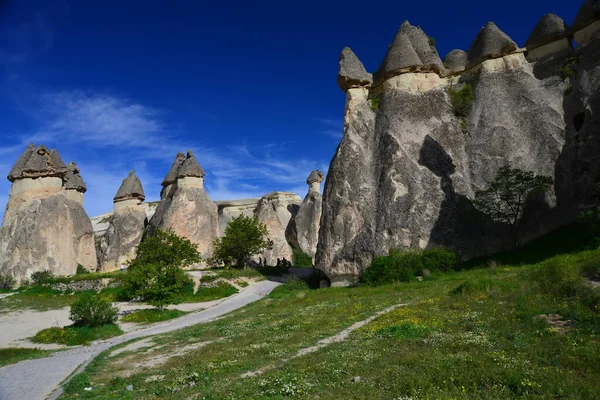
496,333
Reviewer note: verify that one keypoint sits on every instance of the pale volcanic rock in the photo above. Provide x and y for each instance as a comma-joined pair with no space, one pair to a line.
229,209
124,233
303,230
45,226
275,210
185,206
490,43
352,72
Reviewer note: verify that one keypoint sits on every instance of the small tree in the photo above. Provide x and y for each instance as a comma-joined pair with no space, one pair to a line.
156,274
91,310
505,197
244,237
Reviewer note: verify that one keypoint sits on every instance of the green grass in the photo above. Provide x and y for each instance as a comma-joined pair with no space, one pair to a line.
38,298
466,334
233,273
152,315
220,291
15,355
76,335
89,276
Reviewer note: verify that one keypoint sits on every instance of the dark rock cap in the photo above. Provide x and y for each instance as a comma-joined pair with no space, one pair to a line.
412,51
190,167
588,13
550,28
73,180
456,60
315,176
352,72
131,188
490,43
171,176
36,163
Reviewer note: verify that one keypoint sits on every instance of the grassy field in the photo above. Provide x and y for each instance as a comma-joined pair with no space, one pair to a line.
512,331
76,335
152,315
14,355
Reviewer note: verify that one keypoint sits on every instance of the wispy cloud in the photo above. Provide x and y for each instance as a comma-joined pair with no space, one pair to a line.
332,127
108,135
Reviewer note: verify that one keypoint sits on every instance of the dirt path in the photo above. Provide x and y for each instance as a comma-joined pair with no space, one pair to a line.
339,337
40,378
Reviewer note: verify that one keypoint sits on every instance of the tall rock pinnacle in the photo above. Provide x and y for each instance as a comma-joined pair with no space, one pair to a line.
131,188
352,72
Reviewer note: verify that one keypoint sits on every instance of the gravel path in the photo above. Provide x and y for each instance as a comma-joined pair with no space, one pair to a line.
39,379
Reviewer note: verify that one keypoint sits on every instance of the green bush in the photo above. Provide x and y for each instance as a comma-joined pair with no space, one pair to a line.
76,335
81,270
374,101
156,275
7,282
301,259
244,237
91,310
42,277
402,266
559,276
462,100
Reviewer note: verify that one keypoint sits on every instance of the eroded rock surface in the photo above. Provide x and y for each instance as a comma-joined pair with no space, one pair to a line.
303,230
185,206
126,227
275,210
45,226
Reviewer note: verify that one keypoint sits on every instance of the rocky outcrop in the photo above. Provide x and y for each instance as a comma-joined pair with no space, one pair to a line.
587,22
352,72
411,50
275,210
229,209
402,173
549,37
45,226
490,43
185,207
303,230
126,227
456,61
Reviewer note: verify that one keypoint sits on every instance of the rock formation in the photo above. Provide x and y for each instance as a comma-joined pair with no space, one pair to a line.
549,37
404,168
185,207
275,210
303,230
45,226
490,43
587,22
126,228
229,209
412,50
352,71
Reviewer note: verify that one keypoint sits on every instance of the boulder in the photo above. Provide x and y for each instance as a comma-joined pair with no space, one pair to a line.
185,206
549,29
45,226
456,61
410,51
275,210
352,72
490,43
303,230
119,244
588,13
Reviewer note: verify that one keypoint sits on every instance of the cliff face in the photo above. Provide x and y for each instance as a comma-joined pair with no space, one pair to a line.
407,163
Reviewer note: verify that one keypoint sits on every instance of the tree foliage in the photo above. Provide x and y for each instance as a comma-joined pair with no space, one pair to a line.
156,275
505,197
244,237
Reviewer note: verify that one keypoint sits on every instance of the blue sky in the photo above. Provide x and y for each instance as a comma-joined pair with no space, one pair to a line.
249,86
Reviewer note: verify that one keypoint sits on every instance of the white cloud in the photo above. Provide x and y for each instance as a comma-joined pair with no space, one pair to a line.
332,127
108,135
